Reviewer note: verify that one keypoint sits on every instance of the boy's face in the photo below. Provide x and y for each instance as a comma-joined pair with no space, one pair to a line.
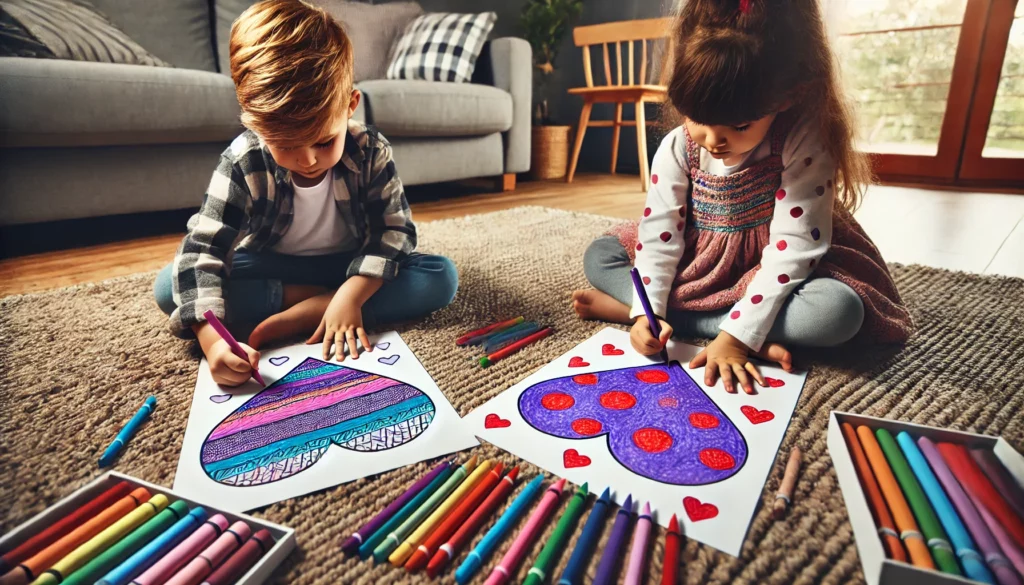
730,143
309,162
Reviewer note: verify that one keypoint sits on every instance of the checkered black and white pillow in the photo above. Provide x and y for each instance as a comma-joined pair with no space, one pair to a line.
441,47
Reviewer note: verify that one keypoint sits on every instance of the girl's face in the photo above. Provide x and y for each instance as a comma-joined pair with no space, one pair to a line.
730,143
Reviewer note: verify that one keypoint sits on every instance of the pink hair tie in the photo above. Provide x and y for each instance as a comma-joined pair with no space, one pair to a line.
744,6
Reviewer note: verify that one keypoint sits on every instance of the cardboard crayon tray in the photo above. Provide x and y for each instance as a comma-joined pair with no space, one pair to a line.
879,570
284,538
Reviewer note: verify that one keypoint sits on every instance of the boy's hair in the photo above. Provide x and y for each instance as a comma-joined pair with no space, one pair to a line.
292,68
735,61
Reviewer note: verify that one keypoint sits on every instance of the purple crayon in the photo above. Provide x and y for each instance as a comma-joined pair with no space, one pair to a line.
612,550
351,545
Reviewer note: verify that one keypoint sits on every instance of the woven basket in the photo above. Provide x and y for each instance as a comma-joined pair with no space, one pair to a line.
550,152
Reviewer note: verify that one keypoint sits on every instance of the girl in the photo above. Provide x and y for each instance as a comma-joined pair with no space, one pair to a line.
747,236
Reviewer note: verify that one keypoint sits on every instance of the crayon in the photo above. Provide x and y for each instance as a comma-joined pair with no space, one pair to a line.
414,540
645,301
466,337
155,549
95,546
577,564
184,552
62,527
553,548
1002,479
232,344
125,547
30,568
448,550
976,483
488,360
963,545
670,566
1010,548
128,431
351,545
509,336
782,499
638,552
452,520
391,542
610,556
367,548
520,546
490,541
876,503
212,556
242,559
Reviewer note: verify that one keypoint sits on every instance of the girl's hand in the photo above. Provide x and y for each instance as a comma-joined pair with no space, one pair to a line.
342,324
644,341
728,357
227,368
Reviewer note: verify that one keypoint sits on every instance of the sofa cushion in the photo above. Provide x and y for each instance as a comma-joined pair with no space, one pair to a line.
401,107
49,102
177,31
441,47
373,29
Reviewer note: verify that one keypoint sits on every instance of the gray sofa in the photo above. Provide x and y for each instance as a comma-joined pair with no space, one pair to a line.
80,139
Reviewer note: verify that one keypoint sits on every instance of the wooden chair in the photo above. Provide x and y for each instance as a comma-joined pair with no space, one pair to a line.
628,32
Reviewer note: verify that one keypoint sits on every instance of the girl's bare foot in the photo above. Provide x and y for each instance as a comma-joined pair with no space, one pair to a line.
596,305
299,319
774,352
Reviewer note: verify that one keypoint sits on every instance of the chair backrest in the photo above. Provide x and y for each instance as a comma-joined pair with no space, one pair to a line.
628,32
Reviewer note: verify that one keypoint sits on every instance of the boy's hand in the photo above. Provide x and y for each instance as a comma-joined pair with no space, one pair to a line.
644,341
728,357
227,368
342,324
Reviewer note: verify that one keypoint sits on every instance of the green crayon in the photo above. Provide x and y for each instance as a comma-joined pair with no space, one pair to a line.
555,545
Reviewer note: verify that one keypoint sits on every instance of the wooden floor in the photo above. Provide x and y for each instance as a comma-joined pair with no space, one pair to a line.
616,196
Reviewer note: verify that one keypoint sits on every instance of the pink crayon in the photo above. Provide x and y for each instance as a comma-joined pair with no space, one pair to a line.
212,556
503,570
638,553
187,550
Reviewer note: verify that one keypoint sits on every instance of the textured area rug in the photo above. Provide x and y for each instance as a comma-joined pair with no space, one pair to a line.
77,362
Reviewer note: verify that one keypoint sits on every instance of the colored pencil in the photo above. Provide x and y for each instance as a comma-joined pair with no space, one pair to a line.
782,498
490,541
65,525
903,517
391,542
555,545
416,538
127,432
963,545
242,559
577,564
454,519
366,549
447,551
998,475
997,562
520,546
185,551
974,481
876,503
638,551
232,344
501,354
77,558
465,337
29,569
645,302
351,545
499,340
610,556
670,566
152,551
212,556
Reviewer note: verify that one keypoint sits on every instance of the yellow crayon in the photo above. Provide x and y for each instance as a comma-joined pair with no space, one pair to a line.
63,568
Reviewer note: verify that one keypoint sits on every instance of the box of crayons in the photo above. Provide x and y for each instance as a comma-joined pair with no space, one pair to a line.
119,530
930,505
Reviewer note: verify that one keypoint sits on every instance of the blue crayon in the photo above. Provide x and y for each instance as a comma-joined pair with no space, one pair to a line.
486,546
972,561
134,565
511,336
366,549
577,564
126,433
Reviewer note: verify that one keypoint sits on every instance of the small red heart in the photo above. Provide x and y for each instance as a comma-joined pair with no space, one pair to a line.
609,349
577,362
493,421
756,416
774,382
698,510
572,458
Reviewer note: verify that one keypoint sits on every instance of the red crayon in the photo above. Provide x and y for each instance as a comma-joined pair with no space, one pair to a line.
242,559
507,351
973,479
670,566
483,330
446,552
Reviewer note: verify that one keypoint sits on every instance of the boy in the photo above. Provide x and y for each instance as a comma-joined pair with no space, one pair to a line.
305,221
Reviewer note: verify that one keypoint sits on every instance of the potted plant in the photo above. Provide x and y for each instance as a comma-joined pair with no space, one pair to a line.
545,23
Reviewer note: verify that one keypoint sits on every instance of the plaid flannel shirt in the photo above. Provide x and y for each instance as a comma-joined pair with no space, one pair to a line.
248,206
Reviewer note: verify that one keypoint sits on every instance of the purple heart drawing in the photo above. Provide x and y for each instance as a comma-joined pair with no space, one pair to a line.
390,360
383,345
220,398
278,361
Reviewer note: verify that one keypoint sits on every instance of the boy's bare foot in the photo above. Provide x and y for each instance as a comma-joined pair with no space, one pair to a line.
774,352
299,319
293,294
594,304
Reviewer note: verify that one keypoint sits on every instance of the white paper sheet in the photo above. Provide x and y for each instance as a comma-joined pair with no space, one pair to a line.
316,425
604,414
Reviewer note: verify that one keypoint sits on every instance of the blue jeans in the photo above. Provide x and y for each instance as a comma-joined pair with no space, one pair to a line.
254,290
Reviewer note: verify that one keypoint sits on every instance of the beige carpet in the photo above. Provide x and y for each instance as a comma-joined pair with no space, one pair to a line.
77,362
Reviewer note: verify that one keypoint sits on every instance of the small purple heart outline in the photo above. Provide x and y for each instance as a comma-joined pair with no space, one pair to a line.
383,345
390,360
278,361
220,398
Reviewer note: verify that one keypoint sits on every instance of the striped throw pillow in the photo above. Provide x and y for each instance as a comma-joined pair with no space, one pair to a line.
441,47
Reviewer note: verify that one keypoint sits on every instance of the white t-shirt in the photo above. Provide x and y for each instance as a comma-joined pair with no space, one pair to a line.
317,227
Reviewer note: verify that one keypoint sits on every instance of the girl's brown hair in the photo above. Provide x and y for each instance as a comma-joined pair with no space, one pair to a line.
734,61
